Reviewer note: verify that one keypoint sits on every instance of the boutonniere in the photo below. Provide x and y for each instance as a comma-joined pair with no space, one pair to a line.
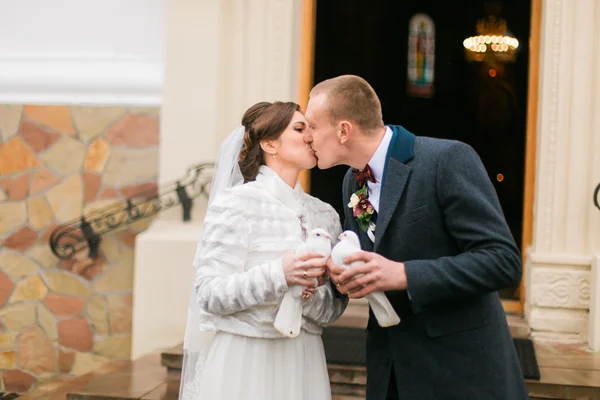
363,211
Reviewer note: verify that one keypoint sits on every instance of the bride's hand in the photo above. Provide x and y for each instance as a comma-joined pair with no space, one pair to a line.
304,269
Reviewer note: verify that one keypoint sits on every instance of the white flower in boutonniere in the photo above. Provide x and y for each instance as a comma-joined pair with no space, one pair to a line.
362,210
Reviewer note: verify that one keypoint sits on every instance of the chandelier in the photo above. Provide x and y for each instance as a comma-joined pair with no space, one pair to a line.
493,42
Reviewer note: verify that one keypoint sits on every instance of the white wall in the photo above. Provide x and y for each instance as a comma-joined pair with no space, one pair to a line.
81,52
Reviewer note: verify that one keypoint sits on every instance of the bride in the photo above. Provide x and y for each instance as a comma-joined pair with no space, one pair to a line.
257,215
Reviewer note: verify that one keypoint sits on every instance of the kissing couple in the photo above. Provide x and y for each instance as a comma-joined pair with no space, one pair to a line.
433,239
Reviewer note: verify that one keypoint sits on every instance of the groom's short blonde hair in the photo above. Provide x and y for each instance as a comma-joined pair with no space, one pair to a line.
351,97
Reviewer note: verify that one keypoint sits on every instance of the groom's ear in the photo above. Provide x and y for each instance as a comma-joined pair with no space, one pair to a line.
344,131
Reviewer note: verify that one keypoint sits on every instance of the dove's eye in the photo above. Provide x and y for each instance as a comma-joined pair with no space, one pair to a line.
318,234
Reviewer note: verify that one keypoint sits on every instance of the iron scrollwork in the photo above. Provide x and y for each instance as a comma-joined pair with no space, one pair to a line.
86,231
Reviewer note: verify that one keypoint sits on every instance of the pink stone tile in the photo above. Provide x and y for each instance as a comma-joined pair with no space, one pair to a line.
37,138
64,305
42,180
146,189
128,238
65,361
134,130
17,381
16,187
109,193
6,287
75,334
91,186
36,353
21,240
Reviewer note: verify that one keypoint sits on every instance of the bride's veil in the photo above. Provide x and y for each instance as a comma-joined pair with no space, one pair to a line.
197,342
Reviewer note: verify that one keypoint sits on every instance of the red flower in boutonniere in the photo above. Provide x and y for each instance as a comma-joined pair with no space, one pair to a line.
362,208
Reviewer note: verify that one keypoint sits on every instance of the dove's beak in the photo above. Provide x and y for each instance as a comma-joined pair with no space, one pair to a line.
340,236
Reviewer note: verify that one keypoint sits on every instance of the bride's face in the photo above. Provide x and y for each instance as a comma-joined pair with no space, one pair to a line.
291,148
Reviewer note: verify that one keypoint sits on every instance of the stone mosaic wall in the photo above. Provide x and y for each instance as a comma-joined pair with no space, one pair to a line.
57,162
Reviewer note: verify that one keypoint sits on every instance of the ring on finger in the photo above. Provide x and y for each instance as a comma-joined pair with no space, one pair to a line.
304,276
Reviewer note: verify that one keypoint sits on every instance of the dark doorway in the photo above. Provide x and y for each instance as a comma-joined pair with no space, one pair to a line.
480,104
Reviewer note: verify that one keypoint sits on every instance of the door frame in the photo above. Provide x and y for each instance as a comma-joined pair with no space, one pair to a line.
306,81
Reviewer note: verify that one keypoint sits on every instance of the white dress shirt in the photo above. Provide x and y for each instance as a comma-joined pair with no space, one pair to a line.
377,164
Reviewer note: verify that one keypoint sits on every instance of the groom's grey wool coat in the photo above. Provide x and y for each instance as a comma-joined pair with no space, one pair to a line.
439,214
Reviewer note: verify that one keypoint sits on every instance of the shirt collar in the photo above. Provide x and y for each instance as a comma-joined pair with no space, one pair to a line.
377,162
291,197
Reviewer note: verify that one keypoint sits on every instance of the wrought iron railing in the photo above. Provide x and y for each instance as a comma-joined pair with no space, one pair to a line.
597,196
86,231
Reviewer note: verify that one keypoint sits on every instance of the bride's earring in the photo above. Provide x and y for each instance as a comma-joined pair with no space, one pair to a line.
273,155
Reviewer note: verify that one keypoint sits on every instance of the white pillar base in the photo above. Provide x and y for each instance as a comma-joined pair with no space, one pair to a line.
163,274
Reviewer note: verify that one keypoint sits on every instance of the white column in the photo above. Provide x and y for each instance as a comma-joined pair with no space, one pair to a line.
565,221
222,56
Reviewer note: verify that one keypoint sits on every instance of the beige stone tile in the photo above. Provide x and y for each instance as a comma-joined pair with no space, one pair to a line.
98,312
48,322
12,216
87,362
8,359
43,255
152,111
40,213
65,199
119,311
15,157
36,352
8,341
31,288
134,131
10,119
119,275
18,316
55,117
92,121
97,155
65,157
42,180
130,166
65,283
15,264
116,347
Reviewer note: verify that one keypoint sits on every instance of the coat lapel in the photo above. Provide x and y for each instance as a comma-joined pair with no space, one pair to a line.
395,177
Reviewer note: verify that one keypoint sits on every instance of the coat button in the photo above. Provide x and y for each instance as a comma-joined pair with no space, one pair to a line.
386,362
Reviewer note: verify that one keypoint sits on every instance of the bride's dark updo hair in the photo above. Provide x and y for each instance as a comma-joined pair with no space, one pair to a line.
263,121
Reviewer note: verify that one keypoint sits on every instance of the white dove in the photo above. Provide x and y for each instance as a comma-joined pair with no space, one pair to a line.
288,320
383,310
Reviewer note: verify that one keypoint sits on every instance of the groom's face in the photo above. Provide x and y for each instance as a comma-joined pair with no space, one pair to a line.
322,133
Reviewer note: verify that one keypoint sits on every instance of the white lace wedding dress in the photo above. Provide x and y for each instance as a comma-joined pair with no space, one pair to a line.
240,282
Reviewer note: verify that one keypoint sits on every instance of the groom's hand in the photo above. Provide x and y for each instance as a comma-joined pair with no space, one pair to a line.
376,273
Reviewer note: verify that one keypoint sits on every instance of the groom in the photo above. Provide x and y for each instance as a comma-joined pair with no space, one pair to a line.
436,242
